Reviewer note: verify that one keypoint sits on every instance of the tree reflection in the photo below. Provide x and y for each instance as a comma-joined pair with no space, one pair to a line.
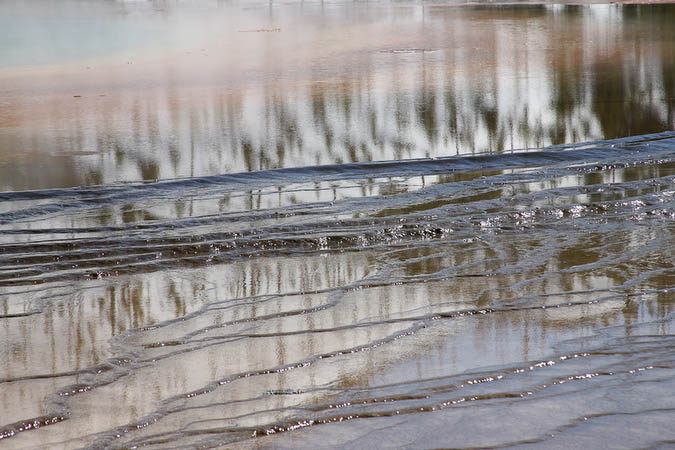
537,76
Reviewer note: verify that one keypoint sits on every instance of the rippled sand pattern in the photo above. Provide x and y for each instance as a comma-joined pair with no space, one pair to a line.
466,302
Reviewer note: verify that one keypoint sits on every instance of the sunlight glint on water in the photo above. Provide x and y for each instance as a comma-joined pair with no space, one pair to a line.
221,239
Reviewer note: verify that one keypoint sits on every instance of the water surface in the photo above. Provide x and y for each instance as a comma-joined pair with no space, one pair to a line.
344,225
166,91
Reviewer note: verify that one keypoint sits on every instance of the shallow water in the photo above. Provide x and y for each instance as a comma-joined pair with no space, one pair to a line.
423,239
168,90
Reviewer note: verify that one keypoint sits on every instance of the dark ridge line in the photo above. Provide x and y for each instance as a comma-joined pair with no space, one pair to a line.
21,426
16,316
253,246
306,362
295,423
116,433
426,318
581,420
97,369
56,399
233,217
368,169
412,223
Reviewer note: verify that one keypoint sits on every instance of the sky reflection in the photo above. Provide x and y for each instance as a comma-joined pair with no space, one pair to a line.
227,88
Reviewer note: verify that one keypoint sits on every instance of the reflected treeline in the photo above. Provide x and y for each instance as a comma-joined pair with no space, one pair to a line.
204,312
260,314
491,80
471,271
